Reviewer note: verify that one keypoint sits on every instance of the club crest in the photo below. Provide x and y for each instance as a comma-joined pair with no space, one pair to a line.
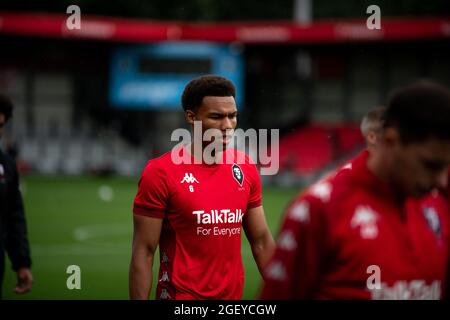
238,174
432,218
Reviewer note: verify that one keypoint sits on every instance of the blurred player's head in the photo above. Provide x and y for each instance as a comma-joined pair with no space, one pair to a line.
415,141
6,108
211,99
372,126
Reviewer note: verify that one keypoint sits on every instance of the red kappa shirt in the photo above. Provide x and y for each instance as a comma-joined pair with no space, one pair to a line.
347,237
202,207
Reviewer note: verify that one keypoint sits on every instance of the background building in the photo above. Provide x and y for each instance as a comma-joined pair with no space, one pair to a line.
93,105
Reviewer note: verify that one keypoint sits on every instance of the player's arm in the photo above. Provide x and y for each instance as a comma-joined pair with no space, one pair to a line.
147,231
149,208
259,236
294,269
255,225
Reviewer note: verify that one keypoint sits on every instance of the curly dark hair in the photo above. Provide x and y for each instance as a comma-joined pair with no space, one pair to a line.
204,86
6,106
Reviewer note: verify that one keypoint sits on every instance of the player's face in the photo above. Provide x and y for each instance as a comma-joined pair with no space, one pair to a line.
218,113
420,167
2,123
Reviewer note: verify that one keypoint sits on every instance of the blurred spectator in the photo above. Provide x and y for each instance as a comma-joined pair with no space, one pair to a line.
13,230
371,127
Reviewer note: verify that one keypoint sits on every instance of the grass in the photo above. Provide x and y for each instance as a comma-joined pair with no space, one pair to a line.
69,224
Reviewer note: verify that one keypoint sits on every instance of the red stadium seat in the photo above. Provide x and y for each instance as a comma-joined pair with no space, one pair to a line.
308,150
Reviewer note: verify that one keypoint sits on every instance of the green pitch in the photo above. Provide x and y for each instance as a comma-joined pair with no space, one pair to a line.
87,222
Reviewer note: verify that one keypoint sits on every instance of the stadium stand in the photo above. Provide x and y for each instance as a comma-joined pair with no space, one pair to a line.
309,150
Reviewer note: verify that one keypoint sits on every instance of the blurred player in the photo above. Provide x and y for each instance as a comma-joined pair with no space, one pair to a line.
372,126
195,211
13,230
374,230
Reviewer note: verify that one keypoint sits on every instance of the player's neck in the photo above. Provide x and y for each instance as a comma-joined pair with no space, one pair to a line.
377,165
197,151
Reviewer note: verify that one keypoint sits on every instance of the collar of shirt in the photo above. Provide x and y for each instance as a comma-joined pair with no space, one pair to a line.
226,156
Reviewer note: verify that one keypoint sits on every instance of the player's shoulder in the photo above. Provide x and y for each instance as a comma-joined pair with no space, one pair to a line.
239,154
344,183
238,157
331,186
159,164
323,198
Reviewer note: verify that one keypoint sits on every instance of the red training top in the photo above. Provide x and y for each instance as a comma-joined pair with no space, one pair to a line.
202,207
347,237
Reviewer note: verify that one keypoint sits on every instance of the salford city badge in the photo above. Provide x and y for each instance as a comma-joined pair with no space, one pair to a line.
432,218
238,174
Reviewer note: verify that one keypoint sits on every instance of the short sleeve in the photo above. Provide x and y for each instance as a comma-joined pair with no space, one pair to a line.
153,192
255,199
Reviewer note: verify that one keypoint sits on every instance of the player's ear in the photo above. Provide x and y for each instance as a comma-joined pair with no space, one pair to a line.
371,137
391,136
189,116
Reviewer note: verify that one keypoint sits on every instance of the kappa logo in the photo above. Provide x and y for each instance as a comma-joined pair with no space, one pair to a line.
165,277
300,212
366,219
165,295
287,241
276,271
237,174
322,190
164,258
189,178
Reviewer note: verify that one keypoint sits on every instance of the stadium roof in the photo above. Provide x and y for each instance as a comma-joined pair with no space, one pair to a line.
283,32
